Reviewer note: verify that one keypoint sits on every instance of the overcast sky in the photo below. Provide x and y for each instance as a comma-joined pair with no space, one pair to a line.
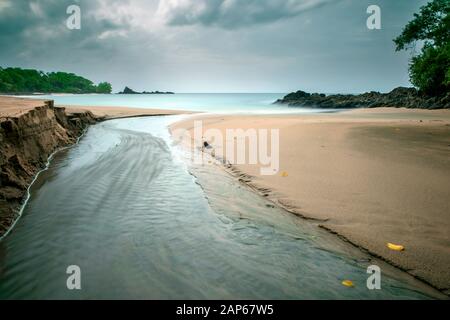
212,45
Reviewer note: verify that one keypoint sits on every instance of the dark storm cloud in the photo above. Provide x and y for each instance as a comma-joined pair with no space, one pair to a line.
233,13
33,27
212,45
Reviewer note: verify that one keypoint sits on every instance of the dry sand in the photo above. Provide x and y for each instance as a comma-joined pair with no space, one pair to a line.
14,106
371,176
123,112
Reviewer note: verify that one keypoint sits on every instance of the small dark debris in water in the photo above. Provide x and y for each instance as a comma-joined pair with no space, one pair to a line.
207,145
270,206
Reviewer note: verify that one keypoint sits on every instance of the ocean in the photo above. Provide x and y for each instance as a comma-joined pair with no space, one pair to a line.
202,102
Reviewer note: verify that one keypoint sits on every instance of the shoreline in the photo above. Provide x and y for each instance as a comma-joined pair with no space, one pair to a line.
354,228
262,192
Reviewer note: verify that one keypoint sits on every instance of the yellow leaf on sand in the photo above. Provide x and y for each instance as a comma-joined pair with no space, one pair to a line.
284,174
348,283
395,247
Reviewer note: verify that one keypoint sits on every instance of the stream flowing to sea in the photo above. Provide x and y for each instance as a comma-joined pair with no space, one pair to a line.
142,223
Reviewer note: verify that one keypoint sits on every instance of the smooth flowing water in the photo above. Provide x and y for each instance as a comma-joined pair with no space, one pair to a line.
123,206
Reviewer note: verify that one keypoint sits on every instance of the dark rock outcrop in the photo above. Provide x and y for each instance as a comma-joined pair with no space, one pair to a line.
397,98
158,92
131,91
26,142
128,91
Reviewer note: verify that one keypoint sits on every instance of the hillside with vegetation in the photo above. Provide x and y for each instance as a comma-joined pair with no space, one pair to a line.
28,81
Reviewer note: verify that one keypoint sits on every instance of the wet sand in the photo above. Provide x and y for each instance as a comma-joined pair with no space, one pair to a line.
370,176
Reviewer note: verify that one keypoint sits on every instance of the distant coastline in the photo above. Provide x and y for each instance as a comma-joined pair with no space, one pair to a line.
19,81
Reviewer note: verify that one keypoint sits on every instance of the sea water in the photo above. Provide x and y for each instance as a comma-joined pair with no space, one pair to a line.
202,102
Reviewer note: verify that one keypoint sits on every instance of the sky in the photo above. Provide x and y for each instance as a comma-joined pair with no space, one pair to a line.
212,45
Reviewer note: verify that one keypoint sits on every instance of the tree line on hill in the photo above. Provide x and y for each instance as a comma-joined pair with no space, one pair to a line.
17,81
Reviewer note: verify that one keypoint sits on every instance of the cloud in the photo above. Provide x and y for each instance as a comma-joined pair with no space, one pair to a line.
232,14
230,45
33,27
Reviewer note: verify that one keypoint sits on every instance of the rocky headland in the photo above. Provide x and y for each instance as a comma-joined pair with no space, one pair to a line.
131,91
398,98
30,131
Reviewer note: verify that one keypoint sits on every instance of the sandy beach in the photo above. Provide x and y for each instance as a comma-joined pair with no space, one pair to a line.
372,176
107,113
14,107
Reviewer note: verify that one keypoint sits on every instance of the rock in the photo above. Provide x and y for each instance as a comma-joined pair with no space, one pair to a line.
131,91
158,92
207,145
128,91
398,98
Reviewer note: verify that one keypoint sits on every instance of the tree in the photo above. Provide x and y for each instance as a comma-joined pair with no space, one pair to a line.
430,70
104,87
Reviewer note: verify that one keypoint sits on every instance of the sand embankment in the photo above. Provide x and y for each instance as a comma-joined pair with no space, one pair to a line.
30,131
372,176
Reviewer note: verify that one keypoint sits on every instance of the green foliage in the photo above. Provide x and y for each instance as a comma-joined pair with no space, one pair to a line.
447,78
16,80
430,70
431,25
104,87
